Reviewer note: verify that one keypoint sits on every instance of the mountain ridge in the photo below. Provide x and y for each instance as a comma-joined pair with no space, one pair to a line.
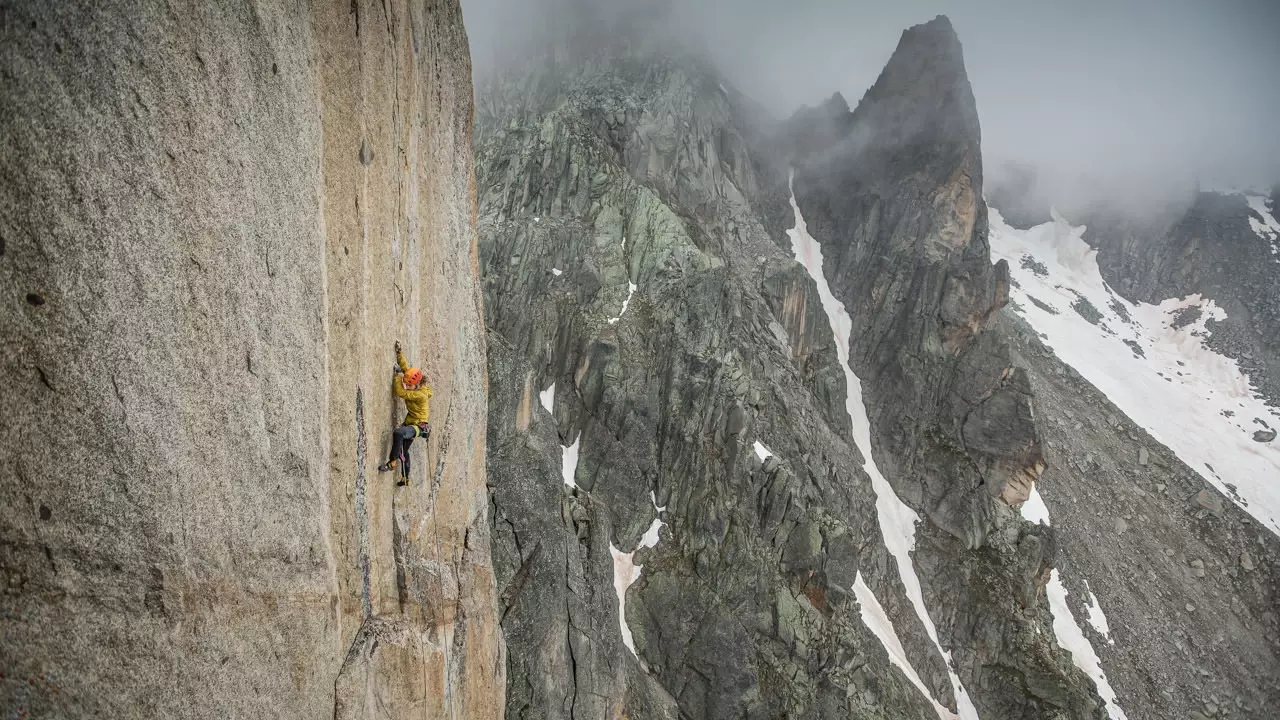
672,209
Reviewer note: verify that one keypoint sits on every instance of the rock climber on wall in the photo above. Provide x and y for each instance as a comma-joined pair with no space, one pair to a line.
407,384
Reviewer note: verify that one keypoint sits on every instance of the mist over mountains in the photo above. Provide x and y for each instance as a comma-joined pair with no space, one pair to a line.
1138,103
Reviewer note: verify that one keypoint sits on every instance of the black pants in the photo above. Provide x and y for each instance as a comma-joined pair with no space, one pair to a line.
403,437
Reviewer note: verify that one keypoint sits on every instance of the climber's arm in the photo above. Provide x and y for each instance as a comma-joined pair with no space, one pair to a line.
398,388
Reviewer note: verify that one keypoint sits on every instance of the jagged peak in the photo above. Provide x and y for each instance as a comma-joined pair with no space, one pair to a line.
938,28
935,40
922,95
836,104
923,89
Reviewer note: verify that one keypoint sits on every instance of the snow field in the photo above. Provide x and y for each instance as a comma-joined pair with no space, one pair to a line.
1150,360
625,572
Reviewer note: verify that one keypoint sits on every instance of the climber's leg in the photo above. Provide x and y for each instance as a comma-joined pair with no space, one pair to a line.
400,439
407,443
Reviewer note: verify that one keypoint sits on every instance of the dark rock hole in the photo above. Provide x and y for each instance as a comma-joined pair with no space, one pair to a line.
35,298
275,69
45,512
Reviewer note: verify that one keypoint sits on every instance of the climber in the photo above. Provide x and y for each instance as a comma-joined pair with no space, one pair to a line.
407,385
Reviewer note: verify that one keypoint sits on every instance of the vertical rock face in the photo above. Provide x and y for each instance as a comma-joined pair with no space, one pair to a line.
656,352
896,195
214,223
893,191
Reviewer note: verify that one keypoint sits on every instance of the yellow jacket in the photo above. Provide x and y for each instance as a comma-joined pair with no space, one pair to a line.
416,402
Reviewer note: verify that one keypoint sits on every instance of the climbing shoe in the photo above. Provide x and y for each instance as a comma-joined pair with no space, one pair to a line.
387,466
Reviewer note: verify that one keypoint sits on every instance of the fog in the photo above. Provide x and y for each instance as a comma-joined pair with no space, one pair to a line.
1132,96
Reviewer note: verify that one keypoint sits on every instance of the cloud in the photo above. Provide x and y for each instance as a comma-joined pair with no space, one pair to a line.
1089,92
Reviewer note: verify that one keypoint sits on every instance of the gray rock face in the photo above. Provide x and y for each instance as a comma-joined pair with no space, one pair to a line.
215,222
1182,584
648,327
898,202
667,400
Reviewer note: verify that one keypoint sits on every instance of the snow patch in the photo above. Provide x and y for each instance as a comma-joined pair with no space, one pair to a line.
1065,628
631,290
569,462
1268,229
548,398
625,572
897,520
762,452
650,537
1034,508
653,498
1150,360
1072,639
878,622
1096,618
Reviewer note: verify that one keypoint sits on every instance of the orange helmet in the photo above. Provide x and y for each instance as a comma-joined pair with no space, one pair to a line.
412,376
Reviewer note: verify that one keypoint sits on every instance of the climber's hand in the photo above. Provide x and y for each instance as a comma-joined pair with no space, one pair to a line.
397,347
395,370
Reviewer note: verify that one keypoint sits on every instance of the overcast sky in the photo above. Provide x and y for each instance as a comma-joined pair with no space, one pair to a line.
1117,88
